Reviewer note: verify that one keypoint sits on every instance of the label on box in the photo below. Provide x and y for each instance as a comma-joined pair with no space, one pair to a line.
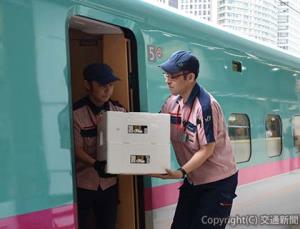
139,159
137,129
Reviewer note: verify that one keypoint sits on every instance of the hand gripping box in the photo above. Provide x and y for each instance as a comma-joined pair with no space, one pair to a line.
134,142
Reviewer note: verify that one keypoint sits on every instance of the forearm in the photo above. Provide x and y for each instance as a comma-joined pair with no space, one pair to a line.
83,156
195,162
199,158
99,166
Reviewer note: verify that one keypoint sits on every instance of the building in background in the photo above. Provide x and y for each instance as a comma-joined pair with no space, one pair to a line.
257,19
288,25
201,9
165,2
272,21
173,3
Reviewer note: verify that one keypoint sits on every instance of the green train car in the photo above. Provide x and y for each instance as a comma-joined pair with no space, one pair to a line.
44,45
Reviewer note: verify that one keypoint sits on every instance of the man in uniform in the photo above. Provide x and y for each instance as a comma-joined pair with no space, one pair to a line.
96,190
202,146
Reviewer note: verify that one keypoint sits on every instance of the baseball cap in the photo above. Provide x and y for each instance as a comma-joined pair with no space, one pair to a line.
181,61
101,73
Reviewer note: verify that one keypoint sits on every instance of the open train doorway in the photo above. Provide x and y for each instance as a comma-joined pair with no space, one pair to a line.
92,41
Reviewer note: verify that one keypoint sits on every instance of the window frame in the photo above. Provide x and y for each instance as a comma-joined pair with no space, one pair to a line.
246,116
293,133
280,132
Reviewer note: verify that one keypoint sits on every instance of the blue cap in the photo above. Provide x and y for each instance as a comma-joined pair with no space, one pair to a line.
101,73
181,61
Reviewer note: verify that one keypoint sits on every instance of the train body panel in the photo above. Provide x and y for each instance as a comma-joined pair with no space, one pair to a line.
36,170
249,80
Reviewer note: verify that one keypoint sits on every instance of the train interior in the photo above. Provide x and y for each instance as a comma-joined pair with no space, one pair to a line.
93,41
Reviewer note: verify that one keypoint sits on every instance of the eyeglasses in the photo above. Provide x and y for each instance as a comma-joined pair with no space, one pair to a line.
174,76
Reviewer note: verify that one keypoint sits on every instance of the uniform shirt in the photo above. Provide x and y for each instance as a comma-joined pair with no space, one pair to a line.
196,123
85,117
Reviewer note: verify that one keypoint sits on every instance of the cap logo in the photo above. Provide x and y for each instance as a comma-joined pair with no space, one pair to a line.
180,64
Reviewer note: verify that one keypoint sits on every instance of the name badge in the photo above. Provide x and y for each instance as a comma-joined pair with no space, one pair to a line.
183,137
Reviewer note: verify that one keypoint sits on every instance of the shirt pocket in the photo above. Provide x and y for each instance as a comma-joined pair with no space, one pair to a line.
176,131
191,132
89,137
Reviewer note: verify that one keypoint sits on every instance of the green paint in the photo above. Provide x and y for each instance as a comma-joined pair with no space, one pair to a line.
34,88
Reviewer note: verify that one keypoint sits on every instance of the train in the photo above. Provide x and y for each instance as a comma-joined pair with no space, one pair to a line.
44,45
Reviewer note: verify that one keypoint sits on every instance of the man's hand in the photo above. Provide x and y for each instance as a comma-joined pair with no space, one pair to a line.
171,174
99,166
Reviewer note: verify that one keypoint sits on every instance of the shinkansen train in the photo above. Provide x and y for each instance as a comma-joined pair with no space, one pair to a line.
44,46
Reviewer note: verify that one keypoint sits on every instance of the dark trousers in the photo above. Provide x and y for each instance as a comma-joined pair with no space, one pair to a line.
103,205
205,206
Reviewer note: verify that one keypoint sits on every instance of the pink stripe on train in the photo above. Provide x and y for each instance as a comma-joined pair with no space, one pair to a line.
165,195
62,217
258,172
161,196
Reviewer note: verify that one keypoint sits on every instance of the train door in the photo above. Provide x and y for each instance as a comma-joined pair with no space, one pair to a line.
92,41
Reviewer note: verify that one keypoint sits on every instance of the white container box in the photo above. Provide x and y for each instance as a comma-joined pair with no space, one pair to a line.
134,142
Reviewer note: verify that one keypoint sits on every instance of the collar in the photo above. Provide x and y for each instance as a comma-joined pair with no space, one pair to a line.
194,93
178,98
97,109
192,96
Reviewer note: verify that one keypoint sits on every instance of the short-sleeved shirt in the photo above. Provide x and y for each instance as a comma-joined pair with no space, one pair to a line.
195,123
85,118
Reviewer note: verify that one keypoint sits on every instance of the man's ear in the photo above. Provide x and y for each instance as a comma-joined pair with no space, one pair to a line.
191,76
87,85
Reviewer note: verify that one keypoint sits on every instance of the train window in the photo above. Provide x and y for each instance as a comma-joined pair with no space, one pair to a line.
273,135
239,133
236,66
296,132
